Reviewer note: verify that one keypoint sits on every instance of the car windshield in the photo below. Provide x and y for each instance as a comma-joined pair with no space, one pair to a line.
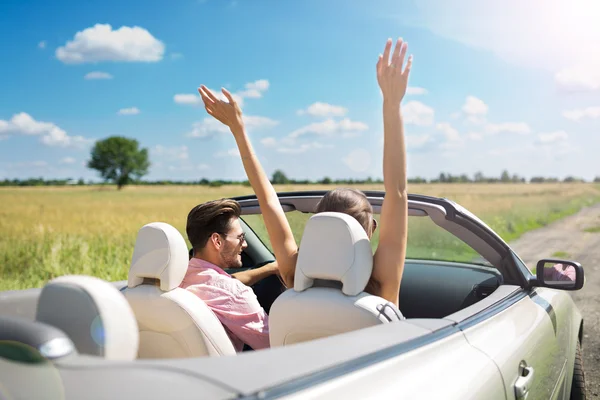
426,240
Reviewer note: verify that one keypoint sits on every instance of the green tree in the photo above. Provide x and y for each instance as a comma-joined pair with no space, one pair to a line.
119,159
279,178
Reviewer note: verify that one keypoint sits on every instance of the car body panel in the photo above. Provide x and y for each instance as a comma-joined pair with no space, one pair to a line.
462,373
528,331
90,378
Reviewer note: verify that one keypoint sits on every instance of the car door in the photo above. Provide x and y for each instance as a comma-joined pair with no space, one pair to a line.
522,340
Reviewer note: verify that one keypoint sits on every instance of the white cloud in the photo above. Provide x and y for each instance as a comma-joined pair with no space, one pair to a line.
229,153
359,160
453,139
579,78
196,100
320,109
474,106
42,44
58,137
448,131
187,99
102,43
98,75
476,120
303,148
563,40
576,115
417,141
288,145
520,128
174,159
170,152
51,135
476,112
27,164
257,122
186,167
510,150
415,90
417,113
253,90
449,154
552,137
269,142
128,111
330,127
68,160
210,127
475,136
24,124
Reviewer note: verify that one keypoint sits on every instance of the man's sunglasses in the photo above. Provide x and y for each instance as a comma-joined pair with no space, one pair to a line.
241,237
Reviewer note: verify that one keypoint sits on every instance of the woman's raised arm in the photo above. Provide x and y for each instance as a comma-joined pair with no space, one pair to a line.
278,227
388,263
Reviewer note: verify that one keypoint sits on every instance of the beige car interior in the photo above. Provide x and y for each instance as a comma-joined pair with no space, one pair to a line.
173,322
333,268
154,318
93,314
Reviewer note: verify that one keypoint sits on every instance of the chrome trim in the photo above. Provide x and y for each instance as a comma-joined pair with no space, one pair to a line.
56,348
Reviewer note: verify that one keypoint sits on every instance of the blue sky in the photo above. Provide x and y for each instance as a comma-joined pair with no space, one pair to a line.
482,97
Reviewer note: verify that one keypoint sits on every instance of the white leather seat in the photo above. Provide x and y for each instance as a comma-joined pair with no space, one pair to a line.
333,268
93,314
173,322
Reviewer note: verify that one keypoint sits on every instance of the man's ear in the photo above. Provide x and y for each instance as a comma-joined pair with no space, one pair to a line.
216,240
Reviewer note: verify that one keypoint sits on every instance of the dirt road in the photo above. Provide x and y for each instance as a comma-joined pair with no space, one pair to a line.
569,236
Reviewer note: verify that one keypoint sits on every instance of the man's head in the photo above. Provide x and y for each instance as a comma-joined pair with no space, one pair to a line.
215,232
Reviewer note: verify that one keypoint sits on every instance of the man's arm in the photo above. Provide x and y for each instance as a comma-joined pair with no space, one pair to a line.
251,276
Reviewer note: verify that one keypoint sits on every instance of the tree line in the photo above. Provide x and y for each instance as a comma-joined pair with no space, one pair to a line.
121,161
280,178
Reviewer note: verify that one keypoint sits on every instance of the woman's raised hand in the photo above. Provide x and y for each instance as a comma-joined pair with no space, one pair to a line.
229,114
391,76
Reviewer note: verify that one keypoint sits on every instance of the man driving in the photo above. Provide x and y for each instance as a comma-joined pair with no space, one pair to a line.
218,240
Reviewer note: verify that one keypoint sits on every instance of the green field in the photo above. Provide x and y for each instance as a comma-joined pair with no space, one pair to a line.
46,232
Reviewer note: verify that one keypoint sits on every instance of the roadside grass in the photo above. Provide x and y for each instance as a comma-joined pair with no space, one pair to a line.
46,232
561,254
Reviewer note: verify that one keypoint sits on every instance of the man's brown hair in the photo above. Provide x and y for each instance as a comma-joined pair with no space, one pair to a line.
208,218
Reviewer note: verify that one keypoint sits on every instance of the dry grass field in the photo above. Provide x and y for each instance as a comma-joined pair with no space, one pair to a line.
51,231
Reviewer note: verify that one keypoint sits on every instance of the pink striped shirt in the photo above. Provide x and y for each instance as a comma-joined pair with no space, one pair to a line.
234,304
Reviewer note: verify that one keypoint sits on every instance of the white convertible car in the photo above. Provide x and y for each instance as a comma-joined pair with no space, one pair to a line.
475,322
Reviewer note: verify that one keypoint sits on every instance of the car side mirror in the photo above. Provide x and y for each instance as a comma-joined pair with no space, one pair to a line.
559,274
